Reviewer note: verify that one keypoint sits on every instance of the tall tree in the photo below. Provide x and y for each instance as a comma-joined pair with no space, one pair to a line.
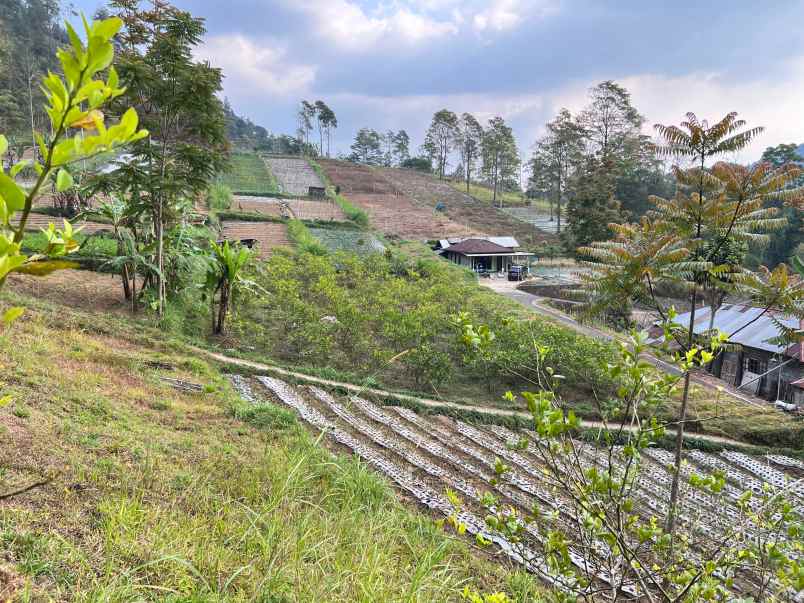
387,141
500,155
558,154
439,140
176,97
401,147
592,205
367,147
325,119
469,139
688,233
305,117
610,119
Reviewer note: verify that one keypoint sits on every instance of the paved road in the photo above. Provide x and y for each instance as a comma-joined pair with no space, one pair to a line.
428,402
536,304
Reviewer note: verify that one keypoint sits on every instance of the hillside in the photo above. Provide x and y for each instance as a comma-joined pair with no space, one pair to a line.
155,492
427,191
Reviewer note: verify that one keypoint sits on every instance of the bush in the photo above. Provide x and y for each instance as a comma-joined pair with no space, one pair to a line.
303,239
389,317
219,197
351,211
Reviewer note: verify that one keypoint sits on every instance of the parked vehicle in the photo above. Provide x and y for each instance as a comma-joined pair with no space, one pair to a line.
517,272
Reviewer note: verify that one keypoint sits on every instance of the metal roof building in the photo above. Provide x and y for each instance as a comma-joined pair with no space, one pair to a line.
751,327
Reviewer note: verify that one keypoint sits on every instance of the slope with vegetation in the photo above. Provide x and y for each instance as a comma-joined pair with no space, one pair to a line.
151,481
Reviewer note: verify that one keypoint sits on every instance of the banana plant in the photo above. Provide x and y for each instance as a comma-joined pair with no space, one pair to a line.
225,279
78,130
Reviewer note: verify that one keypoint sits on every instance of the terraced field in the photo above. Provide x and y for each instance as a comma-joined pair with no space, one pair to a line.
347,239
536,217
391,211
294,175
427,191
303,209
423,456
269,235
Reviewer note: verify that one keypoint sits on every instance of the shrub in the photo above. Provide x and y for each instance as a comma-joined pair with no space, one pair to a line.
304,240
219,196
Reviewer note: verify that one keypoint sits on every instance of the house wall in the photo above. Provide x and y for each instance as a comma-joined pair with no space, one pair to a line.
732,365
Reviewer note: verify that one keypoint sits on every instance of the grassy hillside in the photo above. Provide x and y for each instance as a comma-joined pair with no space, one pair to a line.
248,174
481,192
156,494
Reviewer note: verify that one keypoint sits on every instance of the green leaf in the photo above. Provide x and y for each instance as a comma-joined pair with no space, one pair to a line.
6,400
64,180
3,144
47,267
12,314
15,198
18,167
107,28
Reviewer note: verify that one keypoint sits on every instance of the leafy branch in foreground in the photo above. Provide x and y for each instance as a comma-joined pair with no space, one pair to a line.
597,531
74,103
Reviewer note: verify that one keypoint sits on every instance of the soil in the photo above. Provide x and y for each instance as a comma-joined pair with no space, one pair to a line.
269,235
303,209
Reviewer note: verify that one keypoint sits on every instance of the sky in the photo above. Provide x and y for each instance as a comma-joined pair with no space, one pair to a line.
390,64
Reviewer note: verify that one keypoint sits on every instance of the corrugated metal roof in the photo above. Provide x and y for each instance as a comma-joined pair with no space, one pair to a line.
731,317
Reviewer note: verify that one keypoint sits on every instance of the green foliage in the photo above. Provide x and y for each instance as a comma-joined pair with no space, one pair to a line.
304,240
388,316
248,174
225,278
74,102
604,502
219,197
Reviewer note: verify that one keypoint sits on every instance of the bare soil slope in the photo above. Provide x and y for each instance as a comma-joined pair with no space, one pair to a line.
304,209
426,191
390,210
269,235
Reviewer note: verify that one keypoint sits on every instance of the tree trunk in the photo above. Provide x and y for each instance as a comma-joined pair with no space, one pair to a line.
134,290
223,307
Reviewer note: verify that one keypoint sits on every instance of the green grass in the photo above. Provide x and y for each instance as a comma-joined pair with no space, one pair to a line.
162,495
248,174
219,197
349,240
486,194
304,240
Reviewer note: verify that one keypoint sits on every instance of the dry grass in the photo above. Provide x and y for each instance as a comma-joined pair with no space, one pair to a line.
163,495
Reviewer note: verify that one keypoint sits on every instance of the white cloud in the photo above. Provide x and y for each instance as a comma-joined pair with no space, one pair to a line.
773,103
252,67
504,15
348,26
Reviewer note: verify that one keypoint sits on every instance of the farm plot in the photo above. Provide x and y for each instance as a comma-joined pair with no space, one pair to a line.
423,456
397,215
535,217
427,191
295,176
249,174
303,209
268,235
355,178
347,239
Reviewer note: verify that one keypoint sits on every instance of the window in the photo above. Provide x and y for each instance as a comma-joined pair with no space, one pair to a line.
755,365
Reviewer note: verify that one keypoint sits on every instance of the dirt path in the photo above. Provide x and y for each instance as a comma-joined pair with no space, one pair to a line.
428,402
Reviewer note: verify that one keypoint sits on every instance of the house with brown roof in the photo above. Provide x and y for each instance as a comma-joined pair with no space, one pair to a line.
483,254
